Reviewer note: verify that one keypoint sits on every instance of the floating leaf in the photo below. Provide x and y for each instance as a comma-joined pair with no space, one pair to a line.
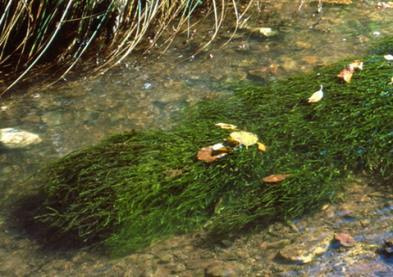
243,138
355,65
267,31
344,239
226,126
261,147
346,74
275,178
316,96
388,57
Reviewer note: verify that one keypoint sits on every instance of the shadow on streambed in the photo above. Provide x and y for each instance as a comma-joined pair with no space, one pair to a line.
21,222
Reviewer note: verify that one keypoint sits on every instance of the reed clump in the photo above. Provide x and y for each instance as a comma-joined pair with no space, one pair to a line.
59,34
136,188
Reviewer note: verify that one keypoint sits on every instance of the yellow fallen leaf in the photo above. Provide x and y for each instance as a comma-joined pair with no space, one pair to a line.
244,138
261,147
391,81
316,96
346,74
226,126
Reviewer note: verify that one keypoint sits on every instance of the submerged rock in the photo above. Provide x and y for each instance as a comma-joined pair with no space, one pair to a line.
387,248
15,138
223,269
307,246
344,239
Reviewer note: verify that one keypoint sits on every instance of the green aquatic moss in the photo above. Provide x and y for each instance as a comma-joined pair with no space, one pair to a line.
136,188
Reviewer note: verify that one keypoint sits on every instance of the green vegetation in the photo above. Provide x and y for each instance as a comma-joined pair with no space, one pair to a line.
58,34
136,188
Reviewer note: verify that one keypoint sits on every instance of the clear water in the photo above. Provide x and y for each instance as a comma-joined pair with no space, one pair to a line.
148,93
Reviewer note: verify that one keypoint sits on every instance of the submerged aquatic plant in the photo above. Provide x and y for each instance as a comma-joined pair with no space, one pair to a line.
135,188
62,32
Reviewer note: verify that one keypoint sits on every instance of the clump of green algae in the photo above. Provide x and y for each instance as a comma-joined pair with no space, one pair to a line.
139,187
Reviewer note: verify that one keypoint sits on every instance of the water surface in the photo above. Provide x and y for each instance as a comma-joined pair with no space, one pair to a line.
149,92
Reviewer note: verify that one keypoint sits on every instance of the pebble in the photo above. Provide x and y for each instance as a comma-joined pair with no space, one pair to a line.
307,246
387,248
14,138
223,269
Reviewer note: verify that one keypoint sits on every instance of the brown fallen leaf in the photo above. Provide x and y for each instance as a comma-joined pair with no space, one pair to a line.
275,178
344,239
346,74
206,154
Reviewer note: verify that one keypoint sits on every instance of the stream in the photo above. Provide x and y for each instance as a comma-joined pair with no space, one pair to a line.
149,92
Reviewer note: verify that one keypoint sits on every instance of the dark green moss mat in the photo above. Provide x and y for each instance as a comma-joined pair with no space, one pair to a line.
136,188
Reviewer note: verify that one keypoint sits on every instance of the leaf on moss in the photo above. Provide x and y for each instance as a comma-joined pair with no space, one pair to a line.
275,178
243,138
220,148
316,96
226,126
206,154
346,75
261,147
357,64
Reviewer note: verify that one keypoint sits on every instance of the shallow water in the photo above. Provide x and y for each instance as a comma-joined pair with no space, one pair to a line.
149,92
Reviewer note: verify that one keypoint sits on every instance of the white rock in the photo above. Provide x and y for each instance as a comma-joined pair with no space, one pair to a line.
15,138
